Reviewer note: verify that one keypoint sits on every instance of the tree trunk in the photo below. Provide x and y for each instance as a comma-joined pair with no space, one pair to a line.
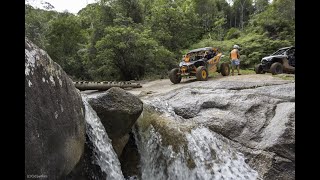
241,17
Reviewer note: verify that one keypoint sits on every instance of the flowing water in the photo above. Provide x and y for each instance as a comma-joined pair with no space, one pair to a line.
204,157
106,158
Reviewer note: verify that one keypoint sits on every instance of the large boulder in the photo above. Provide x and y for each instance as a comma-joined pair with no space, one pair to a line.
118,110
54,117
255,117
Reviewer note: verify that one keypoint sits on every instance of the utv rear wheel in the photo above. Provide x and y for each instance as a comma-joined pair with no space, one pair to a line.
202,73
174,77
276,68
225,69
258,69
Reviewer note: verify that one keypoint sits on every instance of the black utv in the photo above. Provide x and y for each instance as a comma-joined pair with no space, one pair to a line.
281,61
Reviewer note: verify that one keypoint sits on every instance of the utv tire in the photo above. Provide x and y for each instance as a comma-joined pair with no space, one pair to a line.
174,77
202,73
258,69
276,68
225,69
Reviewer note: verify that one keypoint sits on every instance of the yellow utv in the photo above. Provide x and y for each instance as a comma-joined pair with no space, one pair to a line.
199,63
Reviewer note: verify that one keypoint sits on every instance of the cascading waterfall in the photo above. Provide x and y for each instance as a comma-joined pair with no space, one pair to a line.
204,157
203,154
224,162
106,158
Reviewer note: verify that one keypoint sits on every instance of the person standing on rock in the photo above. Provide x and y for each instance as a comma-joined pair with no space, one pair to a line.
235,59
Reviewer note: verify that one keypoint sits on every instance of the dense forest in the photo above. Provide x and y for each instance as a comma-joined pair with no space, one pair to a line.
144,39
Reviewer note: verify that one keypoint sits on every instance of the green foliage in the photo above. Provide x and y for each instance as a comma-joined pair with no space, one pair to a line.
131,52
36,24
131,9
260,5
64,40
247,71
242,9
143,39
232,33
167,21
252,47
278,20
218,29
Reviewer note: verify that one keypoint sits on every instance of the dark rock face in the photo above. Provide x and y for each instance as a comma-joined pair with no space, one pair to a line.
258,117
130,159
86,169
118,144
118,110
54,117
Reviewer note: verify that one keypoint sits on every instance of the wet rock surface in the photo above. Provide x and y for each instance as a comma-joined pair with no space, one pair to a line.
87,169
54,117
256,117
130,160
99,160
118,110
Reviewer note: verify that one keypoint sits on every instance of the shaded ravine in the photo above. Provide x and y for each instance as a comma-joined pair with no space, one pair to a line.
104,153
